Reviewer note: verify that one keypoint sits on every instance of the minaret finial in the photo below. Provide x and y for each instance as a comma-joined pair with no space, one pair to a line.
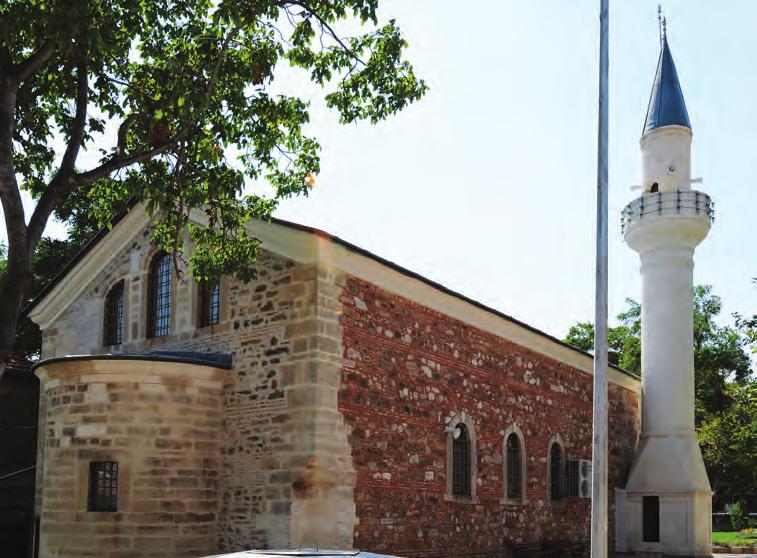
663,24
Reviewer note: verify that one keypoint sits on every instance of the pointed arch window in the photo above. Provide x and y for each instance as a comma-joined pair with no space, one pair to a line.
113,325
210,302
514,454
159,314
555,472
461,462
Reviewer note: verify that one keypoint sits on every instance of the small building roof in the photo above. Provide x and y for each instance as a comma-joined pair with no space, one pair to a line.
666,104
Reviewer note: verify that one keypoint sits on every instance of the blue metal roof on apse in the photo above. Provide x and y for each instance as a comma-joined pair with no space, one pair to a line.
666,104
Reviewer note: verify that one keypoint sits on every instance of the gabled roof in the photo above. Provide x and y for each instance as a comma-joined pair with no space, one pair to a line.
666,104
311,244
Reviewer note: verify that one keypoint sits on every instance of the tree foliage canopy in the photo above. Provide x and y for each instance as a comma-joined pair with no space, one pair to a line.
720,352
175,96
725,386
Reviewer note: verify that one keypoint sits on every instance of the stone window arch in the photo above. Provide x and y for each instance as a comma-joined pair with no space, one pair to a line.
461,458
556,469
514,462
160,279
113,315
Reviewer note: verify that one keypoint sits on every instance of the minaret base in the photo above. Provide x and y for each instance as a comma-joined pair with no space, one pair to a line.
669,484
685,524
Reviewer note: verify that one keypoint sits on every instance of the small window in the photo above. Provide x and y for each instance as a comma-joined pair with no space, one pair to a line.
113,327
461,462
650,518
210,303
555,472
655,188
513,463
159,316
103,486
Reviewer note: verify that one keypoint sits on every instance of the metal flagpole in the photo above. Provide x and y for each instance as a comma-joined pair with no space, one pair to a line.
599,443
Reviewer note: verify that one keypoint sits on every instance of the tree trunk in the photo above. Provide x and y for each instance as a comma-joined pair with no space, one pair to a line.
17,283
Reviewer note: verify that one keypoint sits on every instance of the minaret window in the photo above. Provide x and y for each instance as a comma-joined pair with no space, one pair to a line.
159,315
113,324
655,188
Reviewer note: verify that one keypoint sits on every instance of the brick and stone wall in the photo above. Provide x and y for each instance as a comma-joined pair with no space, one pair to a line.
411,371
332,419
161,421
283,457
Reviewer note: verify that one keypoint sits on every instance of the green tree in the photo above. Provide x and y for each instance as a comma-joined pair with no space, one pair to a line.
175,97
623,341
719,351
729,442
725,387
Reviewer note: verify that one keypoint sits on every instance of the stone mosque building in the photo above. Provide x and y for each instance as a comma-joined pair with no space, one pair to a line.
342,401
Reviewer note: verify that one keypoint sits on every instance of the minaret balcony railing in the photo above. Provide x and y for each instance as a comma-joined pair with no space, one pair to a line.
683,202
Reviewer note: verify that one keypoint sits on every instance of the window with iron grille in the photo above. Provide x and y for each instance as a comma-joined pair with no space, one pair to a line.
555,472
574,478
513,461
160,296
113,328
650,518
103,486
210,303
461,463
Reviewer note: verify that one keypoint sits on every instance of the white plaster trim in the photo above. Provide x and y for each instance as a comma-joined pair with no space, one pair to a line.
305,247
49,308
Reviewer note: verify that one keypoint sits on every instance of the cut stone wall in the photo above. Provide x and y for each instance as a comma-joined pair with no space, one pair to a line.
411,371
283,460
161,421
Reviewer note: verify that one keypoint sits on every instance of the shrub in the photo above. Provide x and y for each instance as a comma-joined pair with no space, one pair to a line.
739,516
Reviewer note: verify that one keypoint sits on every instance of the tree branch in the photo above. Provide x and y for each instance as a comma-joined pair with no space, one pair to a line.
28,67
117,163
324,24
60,185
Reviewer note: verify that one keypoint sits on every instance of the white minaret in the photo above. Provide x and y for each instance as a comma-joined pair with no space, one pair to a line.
666,505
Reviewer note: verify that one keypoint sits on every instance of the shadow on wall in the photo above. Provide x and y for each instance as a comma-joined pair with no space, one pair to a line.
19,398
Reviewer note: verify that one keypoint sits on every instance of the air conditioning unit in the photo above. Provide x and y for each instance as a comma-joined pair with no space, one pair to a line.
579,478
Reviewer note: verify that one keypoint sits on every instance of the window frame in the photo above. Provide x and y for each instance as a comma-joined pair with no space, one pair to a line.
559,483
114,319
461,463
107,501
451,422
519,461
209,310
157,278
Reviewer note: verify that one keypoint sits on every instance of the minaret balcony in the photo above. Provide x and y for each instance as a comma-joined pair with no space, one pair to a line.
677,202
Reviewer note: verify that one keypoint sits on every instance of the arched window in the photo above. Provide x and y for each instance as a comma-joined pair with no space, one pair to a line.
513,460
555,472
159,311
113,324
210,302
461,461
655,188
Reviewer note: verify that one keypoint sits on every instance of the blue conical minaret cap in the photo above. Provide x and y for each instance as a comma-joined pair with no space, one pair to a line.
666,104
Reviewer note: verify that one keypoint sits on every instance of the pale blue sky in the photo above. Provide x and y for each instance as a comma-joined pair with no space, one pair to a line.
488,184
